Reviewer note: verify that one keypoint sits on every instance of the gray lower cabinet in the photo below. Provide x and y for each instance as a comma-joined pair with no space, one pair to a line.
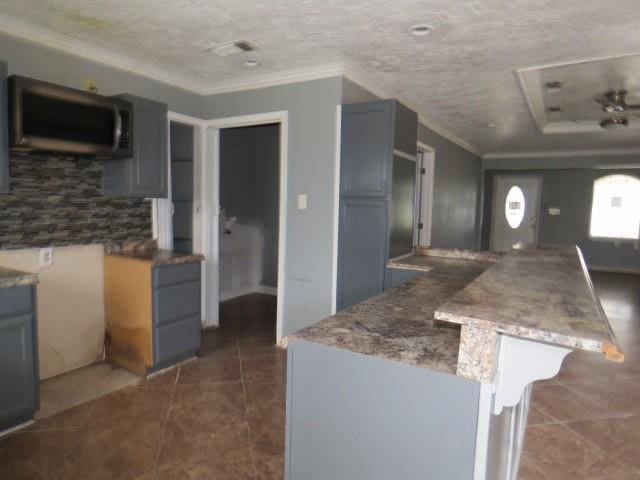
4,130
176,313
19,398
145,174
377,195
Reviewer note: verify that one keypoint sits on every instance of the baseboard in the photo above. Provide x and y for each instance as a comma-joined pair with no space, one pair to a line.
628,271
246,290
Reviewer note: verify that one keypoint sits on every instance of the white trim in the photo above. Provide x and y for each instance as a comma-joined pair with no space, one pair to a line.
562,153
406,156
246,290
16,428
426,207
275,79
211,186
336,213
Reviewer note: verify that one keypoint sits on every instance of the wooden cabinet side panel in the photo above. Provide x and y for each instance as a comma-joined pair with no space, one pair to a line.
128,313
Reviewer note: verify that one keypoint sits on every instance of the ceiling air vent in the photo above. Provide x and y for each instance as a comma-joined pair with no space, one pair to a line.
231,48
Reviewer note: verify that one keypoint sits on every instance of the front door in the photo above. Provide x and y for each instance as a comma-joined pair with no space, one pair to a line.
514,218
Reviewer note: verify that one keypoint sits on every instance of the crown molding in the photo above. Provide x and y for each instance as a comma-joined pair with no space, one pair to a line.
275,79
48,38
57,41
561,153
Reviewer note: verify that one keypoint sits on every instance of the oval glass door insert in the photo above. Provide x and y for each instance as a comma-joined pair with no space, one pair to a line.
514,207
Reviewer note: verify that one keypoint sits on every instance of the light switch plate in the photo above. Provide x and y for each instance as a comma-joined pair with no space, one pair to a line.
45,257
302,201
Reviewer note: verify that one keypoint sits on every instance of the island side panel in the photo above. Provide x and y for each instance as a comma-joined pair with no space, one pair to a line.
356,416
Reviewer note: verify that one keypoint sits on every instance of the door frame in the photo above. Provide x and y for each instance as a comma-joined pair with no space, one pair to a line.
425,200
211,207
493,203
162,208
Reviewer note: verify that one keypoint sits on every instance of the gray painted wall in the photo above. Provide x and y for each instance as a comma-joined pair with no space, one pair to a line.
249,188
354,93
456,196
572,162
311,169
31,60
571,191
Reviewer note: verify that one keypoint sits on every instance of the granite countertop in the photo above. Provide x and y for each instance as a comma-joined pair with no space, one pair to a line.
159,257
10,278
540,294
398,325
423,259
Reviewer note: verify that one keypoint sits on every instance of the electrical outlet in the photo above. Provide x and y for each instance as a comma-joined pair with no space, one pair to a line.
555,211
46,257
302,202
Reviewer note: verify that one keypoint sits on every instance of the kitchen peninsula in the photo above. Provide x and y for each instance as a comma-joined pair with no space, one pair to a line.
432,378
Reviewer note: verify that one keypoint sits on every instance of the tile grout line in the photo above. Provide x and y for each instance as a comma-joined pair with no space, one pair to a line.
244,394
166,422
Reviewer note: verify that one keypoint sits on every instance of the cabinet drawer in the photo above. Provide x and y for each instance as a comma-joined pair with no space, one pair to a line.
170,274
176,301
15,300
176,340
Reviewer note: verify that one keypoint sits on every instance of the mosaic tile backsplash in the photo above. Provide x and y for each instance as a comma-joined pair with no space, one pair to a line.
59,201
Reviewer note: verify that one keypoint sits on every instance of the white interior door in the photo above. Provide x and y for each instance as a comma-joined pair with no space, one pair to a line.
514,218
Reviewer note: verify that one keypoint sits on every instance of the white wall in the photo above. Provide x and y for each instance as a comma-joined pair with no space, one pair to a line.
70,305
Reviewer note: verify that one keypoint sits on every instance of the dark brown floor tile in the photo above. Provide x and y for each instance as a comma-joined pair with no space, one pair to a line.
527,471
270,468
619,396
562,404
32,455
193,435
266,410
215,368
618,437
167,378
536,417
73,417
125,447
562,455
208,471
265,366
148,403
221,398
255,346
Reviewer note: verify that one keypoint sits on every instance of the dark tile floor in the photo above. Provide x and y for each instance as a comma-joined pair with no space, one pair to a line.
221,417
585,423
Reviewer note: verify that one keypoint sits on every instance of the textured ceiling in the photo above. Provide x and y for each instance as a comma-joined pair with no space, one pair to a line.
463,75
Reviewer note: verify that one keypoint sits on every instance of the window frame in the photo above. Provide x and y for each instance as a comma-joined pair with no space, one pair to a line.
614,240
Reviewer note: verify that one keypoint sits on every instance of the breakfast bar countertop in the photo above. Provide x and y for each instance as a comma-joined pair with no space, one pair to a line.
10,278
542,294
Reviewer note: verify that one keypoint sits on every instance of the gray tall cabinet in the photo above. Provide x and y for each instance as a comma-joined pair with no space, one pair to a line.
4,130
377,191
144,174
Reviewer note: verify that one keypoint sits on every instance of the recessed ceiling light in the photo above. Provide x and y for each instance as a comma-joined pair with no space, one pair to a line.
553,86
554,109
421,30
231,48
614,123
251,63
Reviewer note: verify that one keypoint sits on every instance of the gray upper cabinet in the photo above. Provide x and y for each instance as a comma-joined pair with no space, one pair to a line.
4,130
145,174
377,191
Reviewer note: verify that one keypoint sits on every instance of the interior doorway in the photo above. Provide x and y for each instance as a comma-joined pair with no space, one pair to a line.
514,212
244,214
425,171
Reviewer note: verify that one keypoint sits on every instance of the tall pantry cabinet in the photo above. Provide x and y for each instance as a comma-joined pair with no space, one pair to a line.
377,195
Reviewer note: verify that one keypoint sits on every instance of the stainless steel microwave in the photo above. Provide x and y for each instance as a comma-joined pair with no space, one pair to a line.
49,118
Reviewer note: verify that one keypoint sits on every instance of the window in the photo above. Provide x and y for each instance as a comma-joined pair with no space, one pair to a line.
514,207
615,211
